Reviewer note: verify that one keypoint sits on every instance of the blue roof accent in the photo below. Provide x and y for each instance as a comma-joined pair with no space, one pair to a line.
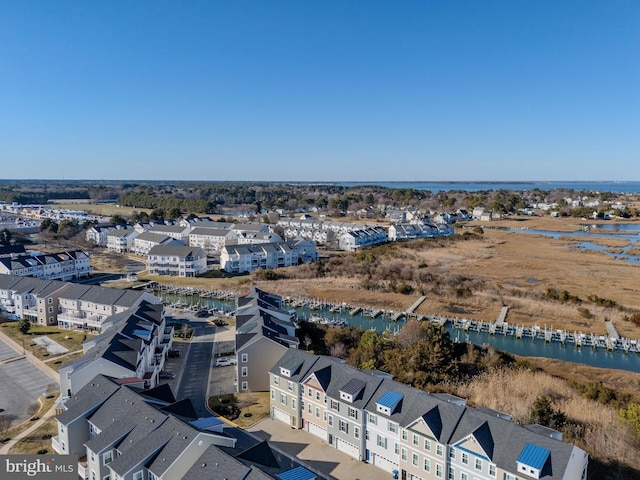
207,423
390,399
142,334
533,456
298,473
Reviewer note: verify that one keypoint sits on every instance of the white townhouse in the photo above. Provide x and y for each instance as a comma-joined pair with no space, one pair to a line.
176,261
82,307
144,242
245,238
97,234
410,231
51,266
211,240
121,240
409,433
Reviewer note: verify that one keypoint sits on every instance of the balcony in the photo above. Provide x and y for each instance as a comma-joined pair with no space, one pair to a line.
55,444
83,470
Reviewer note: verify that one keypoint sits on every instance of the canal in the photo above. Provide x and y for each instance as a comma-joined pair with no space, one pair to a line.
595,357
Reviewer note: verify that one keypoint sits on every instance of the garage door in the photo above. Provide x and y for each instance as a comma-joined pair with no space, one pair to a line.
347,448
281,415
317,431
383,463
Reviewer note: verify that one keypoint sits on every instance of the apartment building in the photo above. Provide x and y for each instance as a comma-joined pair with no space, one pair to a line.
120,433
121,240
211,240
51,266
133,346
176,261
144,242
250,257
355,239
410,433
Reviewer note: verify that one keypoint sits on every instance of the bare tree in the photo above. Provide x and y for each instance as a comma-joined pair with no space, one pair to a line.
338,350
307,341
410,334
6,421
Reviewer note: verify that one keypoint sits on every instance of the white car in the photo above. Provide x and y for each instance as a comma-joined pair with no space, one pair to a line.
225,361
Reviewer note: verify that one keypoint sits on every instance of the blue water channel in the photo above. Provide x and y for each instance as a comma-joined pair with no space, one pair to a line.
595,357
632,234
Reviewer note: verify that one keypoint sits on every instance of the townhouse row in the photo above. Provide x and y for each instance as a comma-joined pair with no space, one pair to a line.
410,433
50,266
67,305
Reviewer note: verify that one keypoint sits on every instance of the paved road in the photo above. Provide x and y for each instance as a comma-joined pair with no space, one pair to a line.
193,382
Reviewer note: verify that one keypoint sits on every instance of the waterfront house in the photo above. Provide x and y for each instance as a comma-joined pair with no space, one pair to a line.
177,261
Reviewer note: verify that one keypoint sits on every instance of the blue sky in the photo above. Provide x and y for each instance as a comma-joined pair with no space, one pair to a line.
320,90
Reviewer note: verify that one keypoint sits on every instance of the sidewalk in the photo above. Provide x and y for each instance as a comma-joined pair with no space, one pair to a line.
44,368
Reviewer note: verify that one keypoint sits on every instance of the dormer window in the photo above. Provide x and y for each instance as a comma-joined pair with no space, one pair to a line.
532,460
388,403
285,372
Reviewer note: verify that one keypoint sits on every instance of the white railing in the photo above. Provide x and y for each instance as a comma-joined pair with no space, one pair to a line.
55,444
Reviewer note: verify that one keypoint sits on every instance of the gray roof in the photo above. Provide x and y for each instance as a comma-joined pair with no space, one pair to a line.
168,228
293,355
178,251
214,463
211,232
88,398
153,237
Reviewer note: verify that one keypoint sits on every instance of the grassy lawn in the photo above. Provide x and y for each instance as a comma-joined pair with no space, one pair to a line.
45,404
71,340
244,409
38,441
62,359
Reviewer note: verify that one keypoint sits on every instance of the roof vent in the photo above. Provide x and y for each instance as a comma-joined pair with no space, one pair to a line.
203,465
184,438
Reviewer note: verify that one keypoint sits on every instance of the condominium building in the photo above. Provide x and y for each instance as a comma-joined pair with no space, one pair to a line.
51,266
176,261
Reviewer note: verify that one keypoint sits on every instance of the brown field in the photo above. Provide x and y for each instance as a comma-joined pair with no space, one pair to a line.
106,209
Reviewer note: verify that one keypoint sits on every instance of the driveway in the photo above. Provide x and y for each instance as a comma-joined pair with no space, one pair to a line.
315,452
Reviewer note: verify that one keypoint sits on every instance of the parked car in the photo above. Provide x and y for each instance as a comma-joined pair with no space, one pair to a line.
165,374
173,353
225,361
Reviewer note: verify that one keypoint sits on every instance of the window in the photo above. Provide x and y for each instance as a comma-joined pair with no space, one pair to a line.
373,420
310,392
414,459
244,357
335,405
392,427
353,413
396,449
356,432
318,412
508,476
330,420
403,454
463,476
452,473
137,475
465,458
309,409
343,426
324,415
283,399
427,465
366,434
276,380
427,444
244,371
492,470
405,435
415,440
245,385
317,395
293,403
290,386
439,450
381,441
273,394
108,457
478,464
452,454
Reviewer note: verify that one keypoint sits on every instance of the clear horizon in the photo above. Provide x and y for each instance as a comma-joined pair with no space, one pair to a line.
320,91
